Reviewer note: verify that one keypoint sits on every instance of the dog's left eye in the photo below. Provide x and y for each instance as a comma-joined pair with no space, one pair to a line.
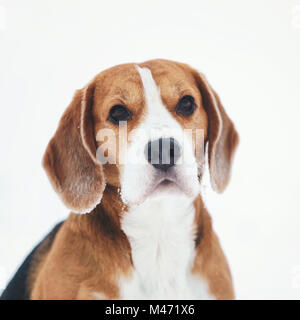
186,106
119,113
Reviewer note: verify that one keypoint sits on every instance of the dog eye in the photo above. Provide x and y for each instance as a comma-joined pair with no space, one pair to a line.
119,113
186,106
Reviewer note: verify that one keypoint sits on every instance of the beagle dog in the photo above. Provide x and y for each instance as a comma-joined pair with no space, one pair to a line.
143,231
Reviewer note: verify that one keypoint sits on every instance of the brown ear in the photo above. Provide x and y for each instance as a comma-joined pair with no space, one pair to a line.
222,136
70,160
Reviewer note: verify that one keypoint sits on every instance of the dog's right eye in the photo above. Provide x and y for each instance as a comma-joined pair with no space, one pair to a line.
119,113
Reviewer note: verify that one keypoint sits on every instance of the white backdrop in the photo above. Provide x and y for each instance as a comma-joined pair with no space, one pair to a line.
249,50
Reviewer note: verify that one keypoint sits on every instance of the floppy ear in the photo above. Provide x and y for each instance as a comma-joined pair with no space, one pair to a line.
222,136
70,160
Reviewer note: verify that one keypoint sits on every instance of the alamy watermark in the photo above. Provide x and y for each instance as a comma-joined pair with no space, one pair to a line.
157,146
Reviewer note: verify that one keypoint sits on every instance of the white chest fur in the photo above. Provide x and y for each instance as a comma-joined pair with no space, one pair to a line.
161,235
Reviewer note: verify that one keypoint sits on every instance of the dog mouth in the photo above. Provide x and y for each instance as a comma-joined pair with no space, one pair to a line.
166,185
175,182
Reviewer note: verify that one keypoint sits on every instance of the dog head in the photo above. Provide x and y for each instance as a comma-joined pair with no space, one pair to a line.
142,128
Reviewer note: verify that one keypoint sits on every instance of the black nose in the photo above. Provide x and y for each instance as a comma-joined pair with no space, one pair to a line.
162,153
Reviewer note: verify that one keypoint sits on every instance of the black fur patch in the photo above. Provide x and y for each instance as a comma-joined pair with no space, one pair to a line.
17,287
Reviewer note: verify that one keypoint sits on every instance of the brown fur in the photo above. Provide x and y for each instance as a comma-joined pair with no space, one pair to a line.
90,252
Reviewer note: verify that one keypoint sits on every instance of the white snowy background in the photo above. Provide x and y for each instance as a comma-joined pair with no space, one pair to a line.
250,52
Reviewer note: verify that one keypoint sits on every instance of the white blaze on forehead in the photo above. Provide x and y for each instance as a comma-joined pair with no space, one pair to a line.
158,117
151,90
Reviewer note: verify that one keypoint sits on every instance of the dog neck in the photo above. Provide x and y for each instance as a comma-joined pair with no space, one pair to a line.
162,234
